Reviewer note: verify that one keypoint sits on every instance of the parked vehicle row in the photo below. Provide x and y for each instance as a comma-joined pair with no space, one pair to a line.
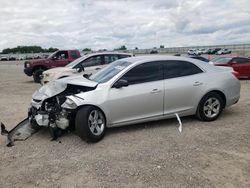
217,51
19,58
87,65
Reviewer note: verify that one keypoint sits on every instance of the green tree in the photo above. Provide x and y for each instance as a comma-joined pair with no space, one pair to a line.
86,49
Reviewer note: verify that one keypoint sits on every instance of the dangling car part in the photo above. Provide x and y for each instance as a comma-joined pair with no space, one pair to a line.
20,132
46,110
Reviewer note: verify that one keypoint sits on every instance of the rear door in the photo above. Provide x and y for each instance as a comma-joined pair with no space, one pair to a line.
142,98
183,86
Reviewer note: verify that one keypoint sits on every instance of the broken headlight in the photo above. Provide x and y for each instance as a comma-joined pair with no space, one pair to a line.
69,104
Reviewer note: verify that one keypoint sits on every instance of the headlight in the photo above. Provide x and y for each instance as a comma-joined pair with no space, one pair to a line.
27,64
46,74
69,104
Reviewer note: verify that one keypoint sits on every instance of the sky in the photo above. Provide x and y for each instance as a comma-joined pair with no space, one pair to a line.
108,24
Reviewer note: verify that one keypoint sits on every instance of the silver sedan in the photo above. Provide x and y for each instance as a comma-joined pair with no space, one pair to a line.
135,90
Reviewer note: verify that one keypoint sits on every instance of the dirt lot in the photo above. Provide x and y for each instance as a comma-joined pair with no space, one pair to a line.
215,154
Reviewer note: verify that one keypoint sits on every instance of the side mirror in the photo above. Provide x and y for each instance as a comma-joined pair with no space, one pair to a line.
54,58
120,83
80,69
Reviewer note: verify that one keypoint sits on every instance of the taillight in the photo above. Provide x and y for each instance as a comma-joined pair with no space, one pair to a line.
236,74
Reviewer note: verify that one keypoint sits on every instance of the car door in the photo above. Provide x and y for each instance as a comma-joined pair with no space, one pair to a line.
183,86
60,59
142,98
241,65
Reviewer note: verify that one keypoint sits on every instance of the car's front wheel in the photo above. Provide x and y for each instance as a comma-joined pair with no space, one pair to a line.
37,75
210,107
90,124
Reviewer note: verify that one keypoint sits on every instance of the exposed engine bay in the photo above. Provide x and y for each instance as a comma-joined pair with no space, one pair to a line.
47,110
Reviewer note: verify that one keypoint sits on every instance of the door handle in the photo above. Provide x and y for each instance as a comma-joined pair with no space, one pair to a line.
155,91
98,68
197,83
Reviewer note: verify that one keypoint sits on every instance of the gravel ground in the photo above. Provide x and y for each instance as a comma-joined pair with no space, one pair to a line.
215,154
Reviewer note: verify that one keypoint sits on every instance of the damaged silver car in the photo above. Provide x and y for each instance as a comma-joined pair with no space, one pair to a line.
128,91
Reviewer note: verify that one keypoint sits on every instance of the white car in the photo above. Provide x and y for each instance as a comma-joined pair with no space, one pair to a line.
89,63
194,52
223,51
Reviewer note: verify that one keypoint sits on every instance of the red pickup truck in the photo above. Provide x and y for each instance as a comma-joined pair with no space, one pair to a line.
59,58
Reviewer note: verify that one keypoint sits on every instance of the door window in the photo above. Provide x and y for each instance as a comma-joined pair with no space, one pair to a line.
61,55
175,69
92,61
110,58
146,72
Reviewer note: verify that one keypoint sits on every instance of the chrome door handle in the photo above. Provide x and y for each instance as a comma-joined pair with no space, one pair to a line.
197,83
155,91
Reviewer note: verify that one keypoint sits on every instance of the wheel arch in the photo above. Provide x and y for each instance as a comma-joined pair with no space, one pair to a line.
220,93
39,67
85,105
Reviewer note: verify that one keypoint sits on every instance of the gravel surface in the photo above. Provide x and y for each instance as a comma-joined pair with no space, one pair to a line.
214,154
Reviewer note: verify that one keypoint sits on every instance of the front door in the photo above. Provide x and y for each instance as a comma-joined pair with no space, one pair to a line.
142,98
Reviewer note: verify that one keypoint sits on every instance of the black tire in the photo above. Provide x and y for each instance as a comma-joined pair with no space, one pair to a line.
202,112
37,75
83,124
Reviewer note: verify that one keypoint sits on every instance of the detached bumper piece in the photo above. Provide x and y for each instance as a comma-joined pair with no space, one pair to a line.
20,132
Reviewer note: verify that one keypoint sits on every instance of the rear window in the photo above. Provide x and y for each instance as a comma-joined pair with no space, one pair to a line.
174,69
73,54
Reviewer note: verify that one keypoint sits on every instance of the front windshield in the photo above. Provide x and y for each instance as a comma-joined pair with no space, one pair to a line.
51,55
75,62
110,71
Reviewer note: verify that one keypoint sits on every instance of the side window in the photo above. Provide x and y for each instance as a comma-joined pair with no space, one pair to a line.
73,54
241,60
61,55
110,58
146,72
92,61
175,69
124,56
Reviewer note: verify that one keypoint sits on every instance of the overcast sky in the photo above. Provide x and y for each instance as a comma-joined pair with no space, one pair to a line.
109,24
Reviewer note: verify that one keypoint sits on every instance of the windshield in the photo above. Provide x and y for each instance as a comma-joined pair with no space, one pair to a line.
51,55
224,60
110,71
75,62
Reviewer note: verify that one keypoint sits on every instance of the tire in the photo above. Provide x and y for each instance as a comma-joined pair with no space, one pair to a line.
210,107
87,128
37,75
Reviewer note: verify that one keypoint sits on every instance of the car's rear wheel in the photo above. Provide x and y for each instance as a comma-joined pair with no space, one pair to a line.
37,75
90,124
210,107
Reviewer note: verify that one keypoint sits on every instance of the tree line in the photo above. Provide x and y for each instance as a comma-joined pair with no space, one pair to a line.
28,49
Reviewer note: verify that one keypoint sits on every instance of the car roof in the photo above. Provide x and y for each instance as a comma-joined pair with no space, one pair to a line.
146,58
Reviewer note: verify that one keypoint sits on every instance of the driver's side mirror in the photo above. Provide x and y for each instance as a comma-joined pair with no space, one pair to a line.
80,68
120,83
54,58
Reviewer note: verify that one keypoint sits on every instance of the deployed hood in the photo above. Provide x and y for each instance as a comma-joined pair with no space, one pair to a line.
59,69
55,87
